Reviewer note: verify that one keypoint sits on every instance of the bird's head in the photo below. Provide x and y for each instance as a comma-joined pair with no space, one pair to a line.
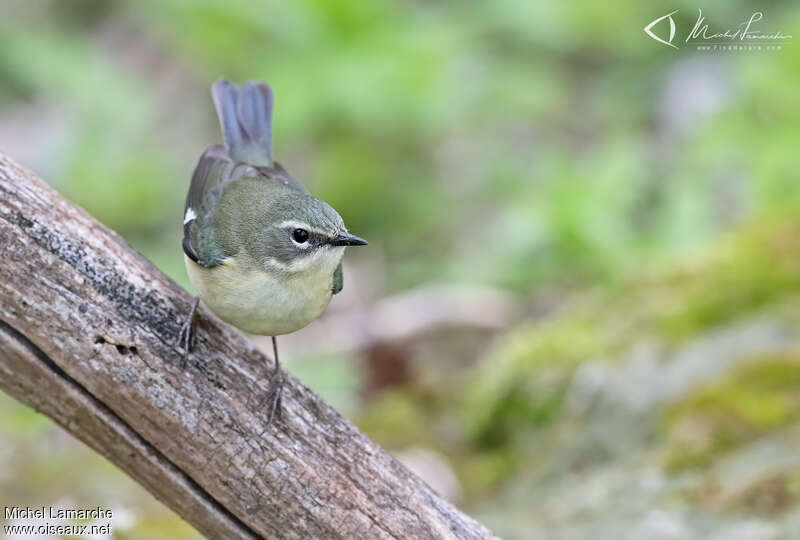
288,231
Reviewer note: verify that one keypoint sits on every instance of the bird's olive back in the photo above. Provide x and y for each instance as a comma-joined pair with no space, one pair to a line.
259,217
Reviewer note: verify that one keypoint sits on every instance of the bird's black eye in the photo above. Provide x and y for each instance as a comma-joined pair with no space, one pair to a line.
300,236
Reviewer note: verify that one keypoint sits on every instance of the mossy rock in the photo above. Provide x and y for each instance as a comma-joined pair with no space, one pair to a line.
754,269
757,397
768,497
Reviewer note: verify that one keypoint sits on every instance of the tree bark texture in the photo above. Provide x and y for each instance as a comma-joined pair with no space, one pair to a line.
87,336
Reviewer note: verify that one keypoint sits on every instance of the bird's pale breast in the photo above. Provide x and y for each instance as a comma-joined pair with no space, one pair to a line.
259,302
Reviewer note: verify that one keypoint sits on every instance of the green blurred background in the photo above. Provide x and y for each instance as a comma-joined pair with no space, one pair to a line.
578,313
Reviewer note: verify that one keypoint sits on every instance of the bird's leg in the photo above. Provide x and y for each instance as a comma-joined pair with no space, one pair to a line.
275,388
187,335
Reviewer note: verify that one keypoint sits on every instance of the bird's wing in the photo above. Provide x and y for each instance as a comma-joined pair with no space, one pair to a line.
277,173
214,173
338,280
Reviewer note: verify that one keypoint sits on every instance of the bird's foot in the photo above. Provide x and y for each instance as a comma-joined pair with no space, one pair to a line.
188,335
274,398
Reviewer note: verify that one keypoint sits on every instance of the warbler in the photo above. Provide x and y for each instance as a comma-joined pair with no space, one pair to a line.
262,254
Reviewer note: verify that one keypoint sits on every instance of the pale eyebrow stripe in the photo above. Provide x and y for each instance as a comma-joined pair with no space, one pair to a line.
300,225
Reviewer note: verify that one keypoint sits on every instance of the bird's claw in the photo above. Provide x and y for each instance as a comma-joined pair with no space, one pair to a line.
185,341
274,398
187,336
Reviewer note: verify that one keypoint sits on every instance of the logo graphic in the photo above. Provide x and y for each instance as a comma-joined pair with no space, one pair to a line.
746,36
648,29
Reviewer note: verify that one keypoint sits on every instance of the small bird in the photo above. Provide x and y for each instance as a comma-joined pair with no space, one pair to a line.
262,253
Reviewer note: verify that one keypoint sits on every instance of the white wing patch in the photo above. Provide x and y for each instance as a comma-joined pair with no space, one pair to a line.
190,216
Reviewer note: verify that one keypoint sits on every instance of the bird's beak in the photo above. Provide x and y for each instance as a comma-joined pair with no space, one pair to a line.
347,239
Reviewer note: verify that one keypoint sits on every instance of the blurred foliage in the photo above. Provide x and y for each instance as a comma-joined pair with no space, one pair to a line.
549,149
504,131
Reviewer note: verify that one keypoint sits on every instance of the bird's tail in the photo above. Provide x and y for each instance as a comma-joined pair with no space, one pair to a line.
245,115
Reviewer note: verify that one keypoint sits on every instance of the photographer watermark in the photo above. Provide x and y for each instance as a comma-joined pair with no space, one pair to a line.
27,521
746,36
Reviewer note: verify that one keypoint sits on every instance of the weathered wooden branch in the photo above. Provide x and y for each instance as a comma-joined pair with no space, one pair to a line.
87,336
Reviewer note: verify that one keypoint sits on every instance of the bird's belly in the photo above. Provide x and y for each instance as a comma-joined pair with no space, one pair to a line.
258,302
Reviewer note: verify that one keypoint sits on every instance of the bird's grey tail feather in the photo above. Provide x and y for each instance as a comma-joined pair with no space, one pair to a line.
245,115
